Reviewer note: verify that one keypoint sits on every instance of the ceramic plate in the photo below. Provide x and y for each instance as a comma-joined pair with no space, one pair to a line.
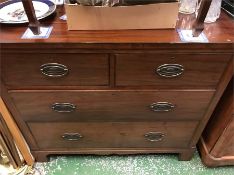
12,12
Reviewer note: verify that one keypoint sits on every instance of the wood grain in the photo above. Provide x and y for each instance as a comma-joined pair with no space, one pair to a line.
110,92
18,137
111,105
219,32
42,155
7,152
226,77
9,141
112,134
210,160
220,119
217,142
200,70
84,70
16,116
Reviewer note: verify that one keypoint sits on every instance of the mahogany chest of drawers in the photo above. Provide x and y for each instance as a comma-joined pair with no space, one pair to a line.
112,92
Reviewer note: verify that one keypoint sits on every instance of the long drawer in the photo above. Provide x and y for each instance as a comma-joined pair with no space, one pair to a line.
112,135
25,70
111,105
170,71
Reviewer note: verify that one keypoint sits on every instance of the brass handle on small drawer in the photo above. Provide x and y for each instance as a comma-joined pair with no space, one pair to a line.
54,70
154,136
72,136
170,70
161,107
63,107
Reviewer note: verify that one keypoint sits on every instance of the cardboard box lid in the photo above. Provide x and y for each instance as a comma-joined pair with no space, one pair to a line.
151,16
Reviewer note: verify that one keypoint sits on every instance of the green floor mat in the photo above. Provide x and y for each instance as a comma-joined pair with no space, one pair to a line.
154,164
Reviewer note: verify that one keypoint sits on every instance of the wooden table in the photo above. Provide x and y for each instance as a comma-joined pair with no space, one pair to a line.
114,92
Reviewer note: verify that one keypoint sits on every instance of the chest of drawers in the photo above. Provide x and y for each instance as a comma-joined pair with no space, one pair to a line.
108,92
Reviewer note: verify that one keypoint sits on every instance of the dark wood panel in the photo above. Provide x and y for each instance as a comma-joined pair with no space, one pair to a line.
188,48
225,144
220,118
17,116
42,155
217,141
223,83
113,135
111,105
200,70
84,70
210,160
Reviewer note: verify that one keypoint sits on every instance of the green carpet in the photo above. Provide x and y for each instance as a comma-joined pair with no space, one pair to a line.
157,164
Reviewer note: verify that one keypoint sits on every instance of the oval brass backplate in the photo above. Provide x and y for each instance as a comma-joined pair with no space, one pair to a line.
154,136
72,136
161,107
63,107
170,70
54,70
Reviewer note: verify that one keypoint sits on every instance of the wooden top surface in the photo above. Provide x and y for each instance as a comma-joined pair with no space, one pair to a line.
218,32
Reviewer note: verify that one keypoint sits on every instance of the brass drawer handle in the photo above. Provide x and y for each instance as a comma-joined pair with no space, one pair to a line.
154,136
54,70
170,70
161,107
63,107
72,136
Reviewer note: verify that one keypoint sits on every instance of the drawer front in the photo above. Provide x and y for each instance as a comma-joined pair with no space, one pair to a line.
166,71
111,105
29,70
112,135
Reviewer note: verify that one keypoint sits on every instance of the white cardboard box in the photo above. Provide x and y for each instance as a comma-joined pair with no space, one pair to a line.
151,16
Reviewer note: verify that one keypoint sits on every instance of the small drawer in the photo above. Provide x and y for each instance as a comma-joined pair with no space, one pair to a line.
113,135
111,105
34,70
170,71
